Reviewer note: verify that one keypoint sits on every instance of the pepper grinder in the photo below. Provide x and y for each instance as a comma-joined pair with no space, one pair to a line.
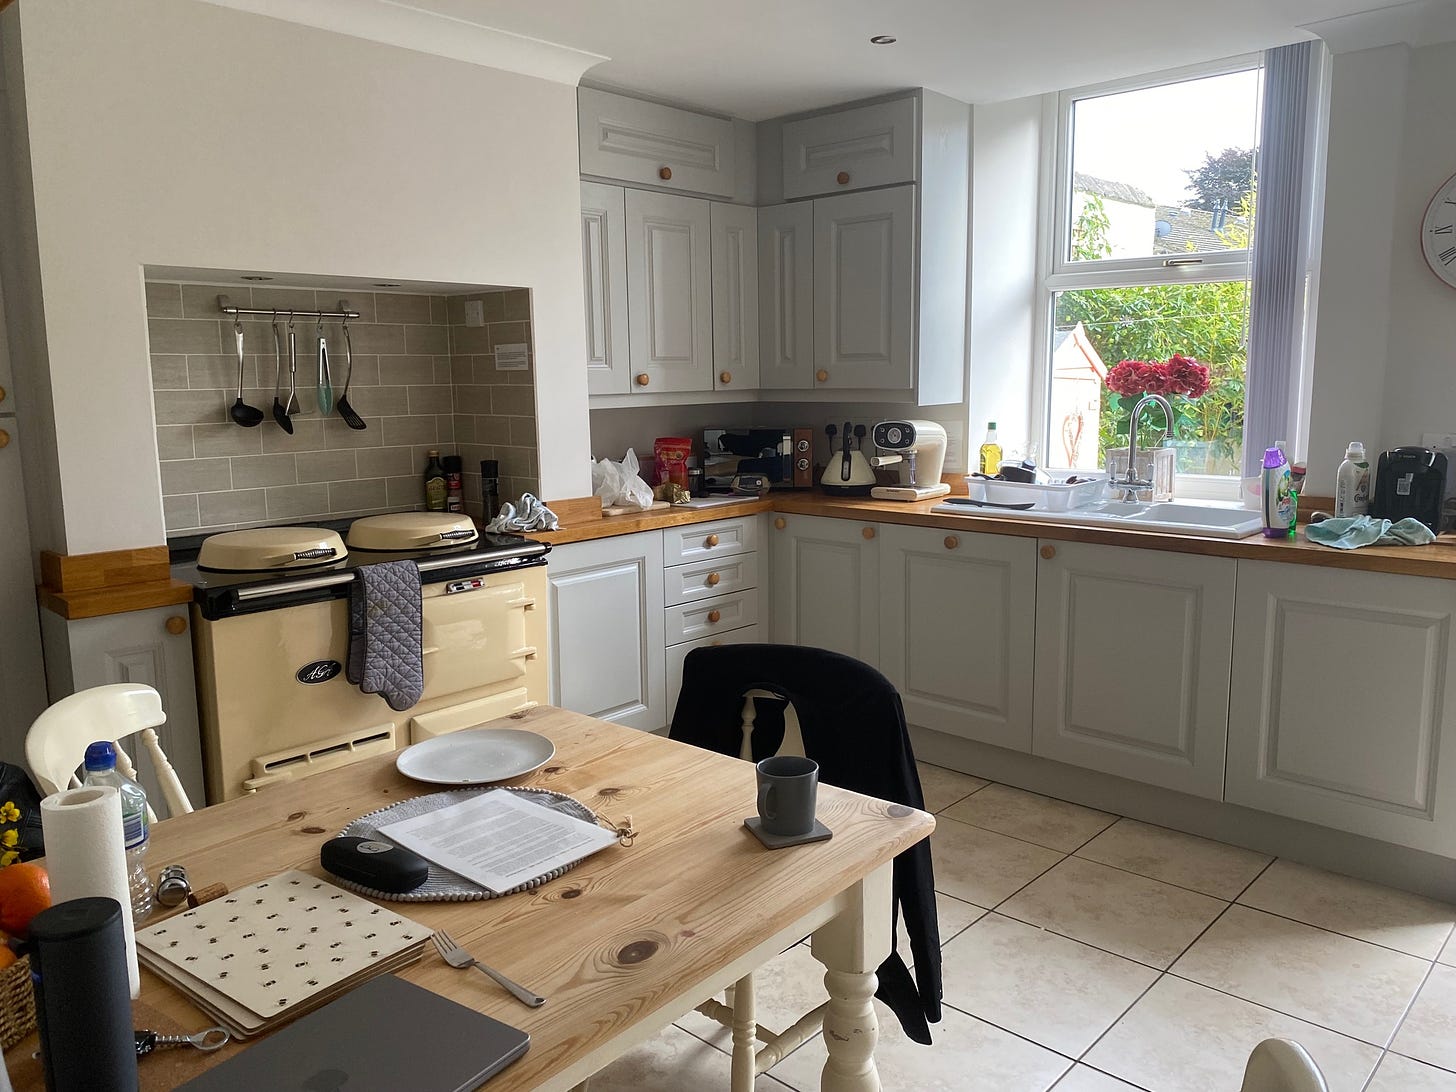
490,488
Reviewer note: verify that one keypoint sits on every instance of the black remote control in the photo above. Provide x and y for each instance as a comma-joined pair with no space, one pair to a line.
372,862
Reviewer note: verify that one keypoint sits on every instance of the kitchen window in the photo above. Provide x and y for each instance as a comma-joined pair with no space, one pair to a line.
1149,253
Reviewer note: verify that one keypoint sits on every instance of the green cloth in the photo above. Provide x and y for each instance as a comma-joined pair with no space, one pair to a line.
1352,532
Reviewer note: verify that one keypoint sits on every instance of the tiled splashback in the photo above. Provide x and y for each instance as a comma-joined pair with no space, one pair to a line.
419,382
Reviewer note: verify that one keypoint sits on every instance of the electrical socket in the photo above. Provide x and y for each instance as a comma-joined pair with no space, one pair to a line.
1439,440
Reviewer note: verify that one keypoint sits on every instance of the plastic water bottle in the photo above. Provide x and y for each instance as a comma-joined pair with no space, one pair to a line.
101,770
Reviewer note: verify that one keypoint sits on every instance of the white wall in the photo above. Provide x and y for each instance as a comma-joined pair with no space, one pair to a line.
173,133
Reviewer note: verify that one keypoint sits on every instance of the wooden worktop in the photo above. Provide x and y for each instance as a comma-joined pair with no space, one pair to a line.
611,526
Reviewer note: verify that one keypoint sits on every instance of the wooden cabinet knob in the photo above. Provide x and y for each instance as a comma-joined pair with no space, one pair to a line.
4,438
665,173
842,178
176,625
714,617
710,541
725,378
643,379
2,394
713,580
951,542
780,523
867,532
822,376
1048,552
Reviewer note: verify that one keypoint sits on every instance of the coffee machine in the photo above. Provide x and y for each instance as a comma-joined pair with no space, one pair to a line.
917,450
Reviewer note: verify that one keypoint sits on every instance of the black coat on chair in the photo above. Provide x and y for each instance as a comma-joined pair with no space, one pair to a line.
853,725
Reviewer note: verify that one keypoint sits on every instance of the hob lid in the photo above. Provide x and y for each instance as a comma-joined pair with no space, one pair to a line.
399,531
271,549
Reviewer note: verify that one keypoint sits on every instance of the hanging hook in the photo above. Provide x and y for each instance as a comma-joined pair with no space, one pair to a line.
290,322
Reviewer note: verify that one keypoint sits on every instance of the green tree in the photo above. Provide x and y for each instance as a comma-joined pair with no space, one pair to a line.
1223,180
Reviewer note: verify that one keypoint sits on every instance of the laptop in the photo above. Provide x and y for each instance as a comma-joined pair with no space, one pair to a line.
384,1036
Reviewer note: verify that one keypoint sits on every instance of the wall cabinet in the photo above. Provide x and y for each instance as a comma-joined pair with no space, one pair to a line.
669,293
1343,685
786,296
825,579
648,144
956,630
606,616
734,253
1132,663
859,148
604,263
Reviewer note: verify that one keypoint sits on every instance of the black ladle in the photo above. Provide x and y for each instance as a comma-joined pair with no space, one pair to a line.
346,411
280,412
242,413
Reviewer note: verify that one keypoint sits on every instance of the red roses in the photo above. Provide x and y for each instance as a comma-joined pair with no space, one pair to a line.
1177,375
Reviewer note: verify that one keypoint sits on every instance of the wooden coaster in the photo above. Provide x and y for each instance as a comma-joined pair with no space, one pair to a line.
819,833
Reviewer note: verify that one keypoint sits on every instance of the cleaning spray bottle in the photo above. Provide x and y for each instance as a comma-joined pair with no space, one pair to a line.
1274,485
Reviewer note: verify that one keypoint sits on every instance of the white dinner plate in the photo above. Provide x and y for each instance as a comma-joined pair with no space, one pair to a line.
476,756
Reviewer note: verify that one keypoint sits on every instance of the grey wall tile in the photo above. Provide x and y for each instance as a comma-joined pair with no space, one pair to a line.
303,299
455,310
339,436
470,339
228,439
308,435
327,466
363,302
430,400
200,300
179,513
464,428
405,492
439,311
366,372
235,506
410,430
189,407
517,304
174,442
407,370
374,337
394,307
495,306
381,401
169,335
358,496
514,401
251,471
386,462
509,333
164,301
444,371
169,372
427,339
523,432
196,476
472,399
298,501
492,430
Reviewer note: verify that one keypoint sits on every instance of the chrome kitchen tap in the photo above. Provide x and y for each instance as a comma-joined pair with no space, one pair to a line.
1131,485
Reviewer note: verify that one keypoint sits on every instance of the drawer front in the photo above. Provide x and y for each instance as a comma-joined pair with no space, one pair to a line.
653,145
701,541
706,617
705,579
678,653
850,149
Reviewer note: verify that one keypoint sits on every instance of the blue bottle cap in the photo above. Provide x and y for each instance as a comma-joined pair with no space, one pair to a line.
101,755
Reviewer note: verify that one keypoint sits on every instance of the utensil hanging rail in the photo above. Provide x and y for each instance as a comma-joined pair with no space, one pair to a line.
278,312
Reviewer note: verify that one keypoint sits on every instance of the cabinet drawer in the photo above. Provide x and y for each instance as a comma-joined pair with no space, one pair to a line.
653,145
678,653
701,541
705,579
706,617
850,149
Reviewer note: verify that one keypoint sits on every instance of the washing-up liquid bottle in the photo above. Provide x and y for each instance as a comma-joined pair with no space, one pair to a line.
990,461
1274,483
100,762
1352,482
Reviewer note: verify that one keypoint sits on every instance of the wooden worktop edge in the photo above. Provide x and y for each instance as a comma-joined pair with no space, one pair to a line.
100,602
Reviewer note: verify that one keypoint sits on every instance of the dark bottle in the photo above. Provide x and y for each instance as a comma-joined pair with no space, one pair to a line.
434,483
490,488
454,494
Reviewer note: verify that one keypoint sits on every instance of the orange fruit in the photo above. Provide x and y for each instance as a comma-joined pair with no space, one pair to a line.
7,957
25,890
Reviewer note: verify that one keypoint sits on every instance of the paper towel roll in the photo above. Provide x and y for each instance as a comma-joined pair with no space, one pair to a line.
86,854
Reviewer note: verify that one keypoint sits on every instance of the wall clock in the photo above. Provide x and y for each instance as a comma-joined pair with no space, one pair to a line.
1438,233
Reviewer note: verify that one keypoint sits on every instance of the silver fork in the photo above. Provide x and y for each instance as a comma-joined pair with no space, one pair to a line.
457,956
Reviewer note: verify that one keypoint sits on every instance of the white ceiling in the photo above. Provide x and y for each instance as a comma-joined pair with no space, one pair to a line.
762,58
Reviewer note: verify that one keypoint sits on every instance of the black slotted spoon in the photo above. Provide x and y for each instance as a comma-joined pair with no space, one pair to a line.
346,411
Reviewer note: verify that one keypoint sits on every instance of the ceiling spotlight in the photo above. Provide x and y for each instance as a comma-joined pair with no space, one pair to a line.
883,39
386,284
255,277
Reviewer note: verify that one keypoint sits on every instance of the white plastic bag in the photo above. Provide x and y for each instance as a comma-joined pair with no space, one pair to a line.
620,483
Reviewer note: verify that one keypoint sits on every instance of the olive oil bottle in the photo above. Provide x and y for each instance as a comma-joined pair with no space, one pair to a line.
990,461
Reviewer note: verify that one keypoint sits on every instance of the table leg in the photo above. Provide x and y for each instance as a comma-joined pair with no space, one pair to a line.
851,946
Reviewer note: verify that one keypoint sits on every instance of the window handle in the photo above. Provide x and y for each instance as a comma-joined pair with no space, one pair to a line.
1170,262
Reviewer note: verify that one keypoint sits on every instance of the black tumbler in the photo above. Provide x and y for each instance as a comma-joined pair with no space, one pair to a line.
82,997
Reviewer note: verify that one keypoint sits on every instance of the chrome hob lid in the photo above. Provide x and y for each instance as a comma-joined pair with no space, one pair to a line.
400,531
271,549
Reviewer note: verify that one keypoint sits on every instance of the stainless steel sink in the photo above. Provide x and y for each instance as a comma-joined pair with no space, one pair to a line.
1211,521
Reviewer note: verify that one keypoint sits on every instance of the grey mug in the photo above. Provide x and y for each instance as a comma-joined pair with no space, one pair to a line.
787,787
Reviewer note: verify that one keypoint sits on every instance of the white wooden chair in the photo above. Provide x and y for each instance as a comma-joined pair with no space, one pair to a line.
1282,1065
56,744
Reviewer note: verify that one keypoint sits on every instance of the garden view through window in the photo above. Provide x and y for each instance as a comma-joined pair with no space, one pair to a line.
1157,196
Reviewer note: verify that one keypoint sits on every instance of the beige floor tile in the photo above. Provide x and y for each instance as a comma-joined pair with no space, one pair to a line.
671,1062
1143,919
1183,1037
943,787
1429,1031
968,1055
1343,984
1174,857
1042,820
785,988
1367,911
1448,953
1081,1078
953,915
981,866
1052,990
1397,1074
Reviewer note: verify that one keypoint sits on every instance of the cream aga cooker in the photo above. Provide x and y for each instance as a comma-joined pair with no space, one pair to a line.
270,613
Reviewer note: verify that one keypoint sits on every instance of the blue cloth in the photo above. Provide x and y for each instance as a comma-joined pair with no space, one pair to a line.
1352,532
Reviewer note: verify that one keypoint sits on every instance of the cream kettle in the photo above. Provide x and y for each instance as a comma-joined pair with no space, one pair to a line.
848,473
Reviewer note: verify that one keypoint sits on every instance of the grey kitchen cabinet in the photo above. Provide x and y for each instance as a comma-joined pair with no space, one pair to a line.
647,144
734,255
856,148
669,293
22,671
786,296
1342,694
606,619
957,615
1133,653
604,262
825,579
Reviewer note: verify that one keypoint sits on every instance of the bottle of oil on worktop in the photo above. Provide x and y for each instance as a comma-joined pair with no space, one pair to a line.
435,490
990,460
1352,482
1274,487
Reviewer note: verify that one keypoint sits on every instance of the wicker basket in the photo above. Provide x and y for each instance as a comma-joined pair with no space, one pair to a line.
17,1003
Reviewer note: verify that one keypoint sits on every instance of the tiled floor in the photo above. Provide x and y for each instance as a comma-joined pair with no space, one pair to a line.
1088,953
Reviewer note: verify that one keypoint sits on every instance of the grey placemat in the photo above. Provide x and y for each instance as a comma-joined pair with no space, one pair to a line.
442,885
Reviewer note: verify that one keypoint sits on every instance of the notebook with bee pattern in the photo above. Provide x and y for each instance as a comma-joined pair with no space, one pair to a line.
269,952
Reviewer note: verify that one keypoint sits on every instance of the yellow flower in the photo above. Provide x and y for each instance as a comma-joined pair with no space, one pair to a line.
9,857
9,813
9,838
